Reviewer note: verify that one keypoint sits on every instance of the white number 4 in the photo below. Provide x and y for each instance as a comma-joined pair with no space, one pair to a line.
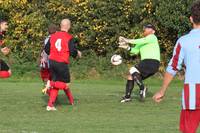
58,45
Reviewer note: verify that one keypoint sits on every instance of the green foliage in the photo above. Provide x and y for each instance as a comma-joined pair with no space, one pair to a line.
94,67
173,21
27,28
97,23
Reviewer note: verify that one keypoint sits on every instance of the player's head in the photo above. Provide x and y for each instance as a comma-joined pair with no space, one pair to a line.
148,29
52,28
3,25
195,13
65,25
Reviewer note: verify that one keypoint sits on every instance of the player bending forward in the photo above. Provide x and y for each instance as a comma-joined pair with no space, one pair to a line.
149,50
60,47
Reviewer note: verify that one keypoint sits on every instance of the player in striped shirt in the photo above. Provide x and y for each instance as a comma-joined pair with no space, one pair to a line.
44,59
187,52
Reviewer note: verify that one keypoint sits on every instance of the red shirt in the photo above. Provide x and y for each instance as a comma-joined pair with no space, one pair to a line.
59,47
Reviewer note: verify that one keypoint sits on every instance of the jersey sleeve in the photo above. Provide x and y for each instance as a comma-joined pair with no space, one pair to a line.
134,51
73,48
143,41
47,47
176,61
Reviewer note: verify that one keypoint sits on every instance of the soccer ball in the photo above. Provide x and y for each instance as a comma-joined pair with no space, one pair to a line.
116,59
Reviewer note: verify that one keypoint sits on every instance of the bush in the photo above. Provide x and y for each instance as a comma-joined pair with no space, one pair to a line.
93,66
97,24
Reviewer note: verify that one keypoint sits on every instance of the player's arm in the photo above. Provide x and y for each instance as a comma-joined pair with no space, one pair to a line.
74,52
137,43
143,41
174,66
158,96
4,50
134,51
47,47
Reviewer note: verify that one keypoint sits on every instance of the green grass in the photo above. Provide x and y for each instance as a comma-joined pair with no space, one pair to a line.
97,109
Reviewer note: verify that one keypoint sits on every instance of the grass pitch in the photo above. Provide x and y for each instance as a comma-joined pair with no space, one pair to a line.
97,109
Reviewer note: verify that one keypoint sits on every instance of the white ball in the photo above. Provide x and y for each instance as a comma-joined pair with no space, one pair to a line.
116,59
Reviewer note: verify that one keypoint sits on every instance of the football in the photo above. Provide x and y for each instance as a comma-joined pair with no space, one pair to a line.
116,59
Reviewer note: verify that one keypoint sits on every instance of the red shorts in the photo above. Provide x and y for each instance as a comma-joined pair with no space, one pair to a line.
45,74
189,121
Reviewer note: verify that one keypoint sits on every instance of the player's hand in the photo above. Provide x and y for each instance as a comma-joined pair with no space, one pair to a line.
124,46
158,96
44,91
122,39
43,63
79,54
5,50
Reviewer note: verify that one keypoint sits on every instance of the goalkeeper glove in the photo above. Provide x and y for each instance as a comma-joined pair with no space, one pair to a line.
124,46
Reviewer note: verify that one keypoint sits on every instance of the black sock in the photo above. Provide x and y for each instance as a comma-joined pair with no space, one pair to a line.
138,79
129,88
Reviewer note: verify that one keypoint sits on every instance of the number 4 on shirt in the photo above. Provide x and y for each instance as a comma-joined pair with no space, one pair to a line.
58,44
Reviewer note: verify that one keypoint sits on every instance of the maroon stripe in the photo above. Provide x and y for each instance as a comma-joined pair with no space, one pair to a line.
175,58
186,95
198,96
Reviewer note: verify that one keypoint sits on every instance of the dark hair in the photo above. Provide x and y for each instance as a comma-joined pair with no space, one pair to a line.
195,12
150,26
3,20
52,28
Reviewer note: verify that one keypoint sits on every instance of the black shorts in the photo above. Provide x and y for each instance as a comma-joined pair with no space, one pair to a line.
59,71
3,66
148,67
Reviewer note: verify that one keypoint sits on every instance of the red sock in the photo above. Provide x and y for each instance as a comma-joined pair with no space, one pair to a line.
4,74
53,96
69,95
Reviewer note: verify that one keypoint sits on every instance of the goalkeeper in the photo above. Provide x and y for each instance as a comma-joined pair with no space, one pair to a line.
149,50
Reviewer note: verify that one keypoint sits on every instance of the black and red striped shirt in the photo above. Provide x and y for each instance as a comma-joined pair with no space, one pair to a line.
60,46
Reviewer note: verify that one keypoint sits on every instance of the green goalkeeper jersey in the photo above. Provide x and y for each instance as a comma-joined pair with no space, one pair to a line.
148,47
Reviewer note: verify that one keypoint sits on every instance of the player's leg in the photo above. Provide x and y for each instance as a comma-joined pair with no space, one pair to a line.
52,98
189,121
128,89
63,86
64,81
138,73
69,95
146,68
60,78
45,75
5,71
53,91
137,78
